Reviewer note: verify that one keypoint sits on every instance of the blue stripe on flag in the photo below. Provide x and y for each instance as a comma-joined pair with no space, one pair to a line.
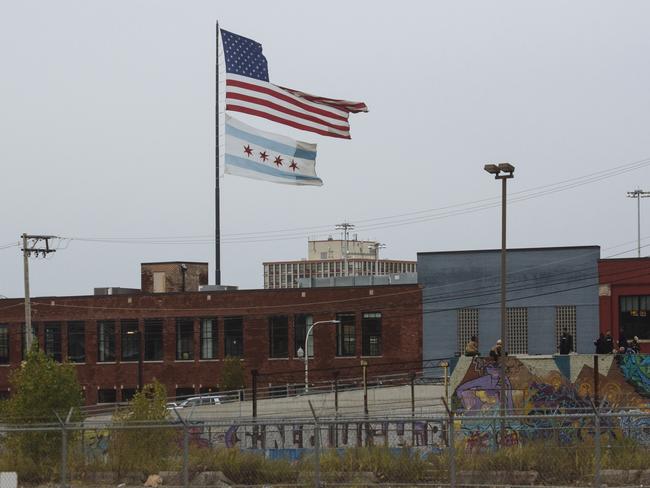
260,168
270,144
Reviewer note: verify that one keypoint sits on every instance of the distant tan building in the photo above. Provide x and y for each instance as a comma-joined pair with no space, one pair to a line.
173,276
326,259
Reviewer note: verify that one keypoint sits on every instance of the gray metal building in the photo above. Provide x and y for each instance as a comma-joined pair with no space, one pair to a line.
548,290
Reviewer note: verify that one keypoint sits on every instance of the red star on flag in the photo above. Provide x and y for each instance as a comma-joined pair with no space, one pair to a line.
278,161
248,150
293,165
264,156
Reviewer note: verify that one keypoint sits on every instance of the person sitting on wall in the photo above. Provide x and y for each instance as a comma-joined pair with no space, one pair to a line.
471,349
622,340
566,342
609,343
497,350
636,345
600,344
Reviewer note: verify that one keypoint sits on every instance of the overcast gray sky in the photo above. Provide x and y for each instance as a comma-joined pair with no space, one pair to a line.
107,128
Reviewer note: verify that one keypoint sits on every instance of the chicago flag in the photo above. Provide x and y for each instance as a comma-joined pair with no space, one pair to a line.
270,157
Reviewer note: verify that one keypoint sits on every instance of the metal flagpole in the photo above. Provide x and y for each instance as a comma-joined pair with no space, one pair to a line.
217,223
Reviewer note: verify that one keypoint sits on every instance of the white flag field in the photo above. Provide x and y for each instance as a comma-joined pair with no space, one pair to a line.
261,155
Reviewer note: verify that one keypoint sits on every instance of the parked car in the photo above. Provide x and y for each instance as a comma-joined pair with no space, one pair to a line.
195,402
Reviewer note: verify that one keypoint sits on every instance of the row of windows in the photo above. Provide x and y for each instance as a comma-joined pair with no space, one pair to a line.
150,339
286,275
516,326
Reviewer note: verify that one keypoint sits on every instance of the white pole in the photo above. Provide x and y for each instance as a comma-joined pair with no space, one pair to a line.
307,352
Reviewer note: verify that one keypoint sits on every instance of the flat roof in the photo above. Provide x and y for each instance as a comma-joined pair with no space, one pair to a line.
319,289
550,248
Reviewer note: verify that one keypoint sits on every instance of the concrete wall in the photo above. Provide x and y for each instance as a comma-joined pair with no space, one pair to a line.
539,279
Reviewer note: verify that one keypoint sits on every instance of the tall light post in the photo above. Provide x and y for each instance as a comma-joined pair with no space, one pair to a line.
503,172
305,351
638,194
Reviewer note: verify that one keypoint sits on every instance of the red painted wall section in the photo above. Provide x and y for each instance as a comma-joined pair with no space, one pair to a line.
621,277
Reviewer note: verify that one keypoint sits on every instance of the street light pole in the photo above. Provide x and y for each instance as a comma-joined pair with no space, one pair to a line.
638,194
503,172
306,352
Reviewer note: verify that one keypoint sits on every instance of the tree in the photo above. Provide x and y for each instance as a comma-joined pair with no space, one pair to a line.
232,374
147,449
43,389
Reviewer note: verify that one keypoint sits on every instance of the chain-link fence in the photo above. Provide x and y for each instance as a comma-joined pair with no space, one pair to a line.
578,449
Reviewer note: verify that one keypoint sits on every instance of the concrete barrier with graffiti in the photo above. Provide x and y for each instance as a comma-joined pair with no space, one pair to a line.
551,385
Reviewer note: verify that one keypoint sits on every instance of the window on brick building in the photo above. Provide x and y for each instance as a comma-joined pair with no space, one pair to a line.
129,335
209,339
128,394
4,344
371,334
106,395
635,316
53,340
279,336
23,335
233,337
105,341
153,339
183,392
184,338
301,324
346,341
76,342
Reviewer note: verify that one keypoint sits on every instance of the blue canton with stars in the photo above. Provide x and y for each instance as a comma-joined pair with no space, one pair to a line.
244,56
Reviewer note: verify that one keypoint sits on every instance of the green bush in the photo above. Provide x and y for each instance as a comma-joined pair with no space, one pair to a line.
43,389
145,450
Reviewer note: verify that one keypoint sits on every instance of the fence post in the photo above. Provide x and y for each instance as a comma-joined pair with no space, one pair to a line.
186,450
596,446
64,448
254,385
336,408
412,408
64,456
186,456
316,447
452,447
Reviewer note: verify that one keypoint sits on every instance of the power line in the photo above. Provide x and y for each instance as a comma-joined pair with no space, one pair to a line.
381,222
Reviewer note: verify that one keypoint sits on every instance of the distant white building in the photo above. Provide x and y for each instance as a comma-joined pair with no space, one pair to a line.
329,259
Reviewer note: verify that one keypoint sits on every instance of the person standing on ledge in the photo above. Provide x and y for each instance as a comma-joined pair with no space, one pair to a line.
566,342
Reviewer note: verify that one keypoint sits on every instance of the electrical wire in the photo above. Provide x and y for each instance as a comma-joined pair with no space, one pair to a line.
381,222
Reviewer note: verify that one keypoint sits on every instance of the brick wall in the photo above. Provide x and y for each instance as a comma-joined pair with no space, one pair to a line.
400,306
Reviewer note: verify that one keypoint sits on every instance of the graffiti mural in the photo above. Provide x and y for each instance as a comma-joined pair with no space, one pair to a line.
551,385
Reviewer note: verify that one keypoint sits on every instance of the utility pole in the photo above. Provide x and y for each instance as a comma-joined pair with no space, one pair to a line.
31,245
638,194
346,228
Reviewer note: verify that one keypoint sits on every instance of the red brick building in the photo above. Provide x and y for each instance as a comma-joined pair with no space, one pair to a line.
186,336
624,296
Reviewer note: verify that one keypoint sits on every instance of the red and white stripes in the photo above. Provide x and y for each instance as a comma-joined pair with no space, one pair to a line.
324,116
